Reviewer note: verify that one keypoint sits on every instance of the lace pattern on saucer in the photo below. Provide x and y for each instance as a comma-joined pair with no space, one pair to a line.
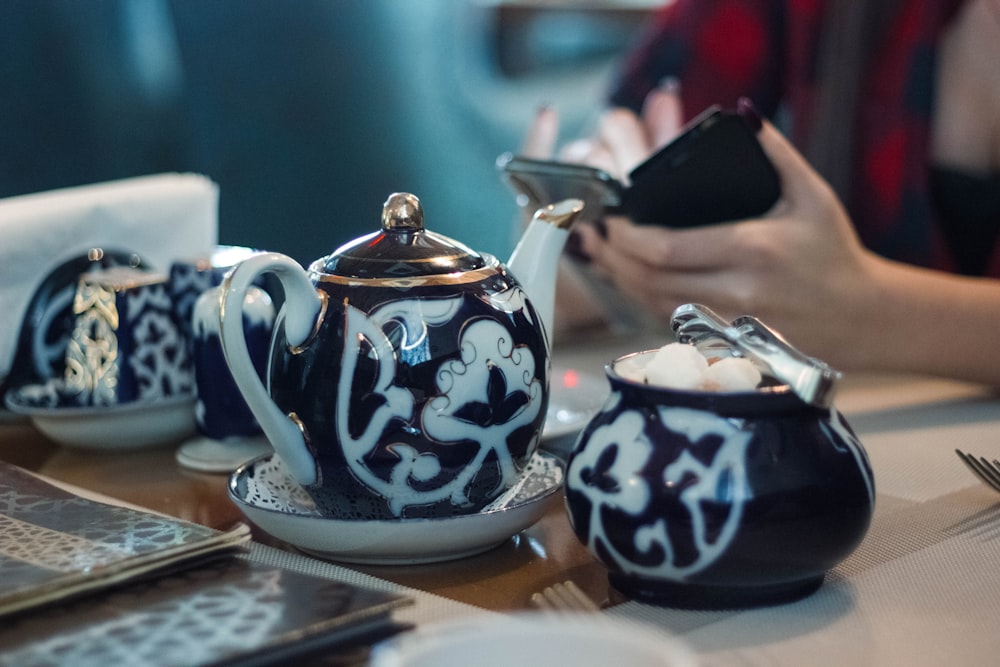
270,486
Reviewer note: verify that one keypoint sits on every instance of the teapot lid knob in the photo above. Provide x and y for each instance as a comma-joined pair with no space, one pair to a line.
403,250
402,212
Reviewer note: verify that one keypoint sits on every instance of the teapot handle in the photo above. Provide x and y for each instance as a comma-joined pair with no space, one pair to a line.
302,308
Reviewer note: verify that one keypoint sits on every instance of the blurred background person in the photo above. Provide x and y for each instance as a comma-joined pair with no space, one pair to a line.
896,104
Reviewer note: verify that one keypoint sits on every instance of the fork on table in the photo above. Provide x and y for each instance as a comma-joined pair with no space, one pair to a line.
987,471
565,596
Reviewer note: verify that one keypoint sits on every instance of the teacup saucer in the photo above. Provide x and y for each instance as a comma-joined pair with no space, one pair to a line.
206,454
268,496
126,426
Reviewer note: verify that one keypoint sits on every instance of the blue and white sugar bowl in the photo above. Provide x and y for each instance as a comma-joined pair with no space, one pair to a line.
710,496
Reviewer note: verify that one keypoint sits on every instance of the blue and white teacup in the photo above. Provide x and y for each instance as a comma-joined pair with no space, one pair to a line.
190,278
221,412
126,343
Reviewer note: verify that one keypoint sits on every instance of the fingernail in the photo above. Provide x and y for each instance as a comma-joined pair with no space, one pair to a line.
574,248
670,84
746,109
602,228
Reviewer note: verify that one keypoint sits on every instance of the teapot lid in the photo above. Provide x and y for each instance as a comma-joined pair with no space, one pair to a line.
402,248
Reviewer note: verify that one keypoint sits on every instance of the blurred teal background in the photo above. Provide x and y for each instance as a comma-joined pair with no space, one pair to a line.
308,113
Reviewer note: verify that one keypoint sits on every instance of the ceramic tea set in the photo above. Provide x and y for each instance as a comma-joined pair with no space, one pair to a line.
408,384
406,389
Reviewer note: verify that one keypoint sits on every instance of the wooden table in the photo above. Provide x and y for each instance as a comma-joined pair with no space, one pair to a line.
501,579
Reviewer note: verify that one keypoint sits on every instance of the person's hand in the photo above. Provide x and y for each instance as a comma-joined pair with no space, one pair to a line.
621,139
800,268
540,141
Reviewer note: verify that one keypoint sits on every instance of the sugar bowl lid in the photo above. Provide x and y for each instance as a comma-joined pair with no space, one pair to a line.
402,249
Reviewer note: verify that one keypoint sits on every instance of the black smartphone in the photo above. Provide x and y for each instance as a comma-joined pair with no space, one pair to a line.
714,171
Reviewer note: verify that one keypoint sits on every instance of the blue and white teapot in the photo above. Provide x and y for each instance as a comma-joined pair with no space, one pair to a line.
408,374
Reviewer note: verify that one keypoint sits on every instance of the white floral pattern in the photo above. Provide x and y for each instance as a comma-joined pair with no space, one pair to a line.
620,485
491,372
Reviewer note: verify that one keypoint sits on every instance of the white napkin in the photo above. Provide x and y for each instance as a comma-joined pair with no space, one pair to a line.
161,218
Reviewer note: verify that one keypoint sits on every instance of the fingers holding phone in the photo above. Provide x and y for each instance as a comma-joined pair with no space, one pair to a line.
663,113
714,171
543,134
802,186
591,152
624,139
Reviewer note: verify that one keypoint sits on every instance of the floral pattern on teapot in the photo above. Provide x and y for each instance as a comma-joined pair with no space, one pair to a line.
463,410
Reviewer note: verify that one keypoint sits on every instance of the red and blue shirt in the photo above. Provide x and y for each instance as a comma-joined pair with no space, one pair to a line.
767,50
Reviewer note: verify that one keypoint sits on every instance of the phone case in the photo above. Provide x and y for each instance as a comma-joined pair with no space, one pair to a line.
714,171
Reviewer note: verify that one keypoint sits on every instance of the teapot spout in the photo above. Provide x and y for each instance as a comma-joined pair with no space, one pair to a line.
535,260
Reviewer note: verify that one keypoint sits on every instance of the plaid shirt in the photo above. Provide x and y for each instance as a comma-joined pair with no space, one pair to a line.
720,50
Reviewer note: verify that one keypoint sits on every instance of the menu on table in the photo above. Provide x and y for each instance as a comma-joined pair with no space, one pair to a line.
139,588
